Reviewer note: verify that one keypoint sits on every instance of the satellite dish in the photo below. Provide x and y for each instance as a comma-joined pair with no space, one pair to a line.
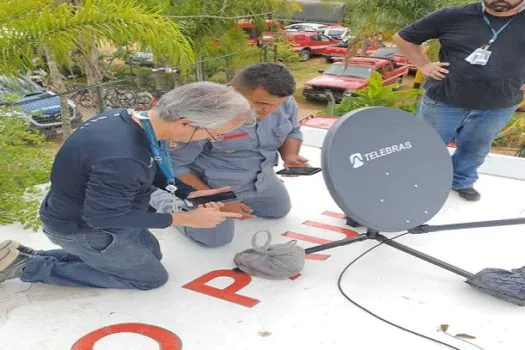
386,169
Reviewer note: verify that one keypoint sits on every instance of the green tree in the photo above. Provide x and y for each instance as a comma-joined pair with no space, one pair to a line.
368,19
24,164
205,20
51,29
231,41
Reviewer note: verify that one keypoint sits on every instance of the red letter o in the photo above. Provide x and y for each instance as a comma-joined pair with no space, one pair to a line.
167,340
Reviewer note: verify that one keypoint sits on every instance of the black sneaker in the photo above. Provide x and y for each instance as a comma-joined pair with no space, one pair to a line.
18,246
12,262
470,194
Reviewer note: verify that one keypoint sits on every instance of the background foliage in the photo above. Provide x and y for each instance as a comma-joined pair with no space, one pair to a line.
24,163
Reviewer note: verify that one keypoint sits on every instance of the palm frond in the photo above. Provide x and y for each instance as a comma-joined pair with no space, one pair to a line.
60,28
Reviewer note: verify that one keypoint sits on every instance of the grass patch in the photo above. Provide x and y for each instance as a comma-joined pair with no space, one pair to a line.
304,71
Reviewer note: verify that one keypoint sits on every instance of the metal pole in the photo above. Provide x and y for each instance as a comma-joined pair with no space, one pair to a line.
335,244
424,256
466,225
101,106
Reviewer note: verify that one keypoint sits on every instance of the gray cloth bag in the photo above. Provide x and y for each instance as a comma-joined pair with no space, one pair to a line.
502,284
162,201
278,261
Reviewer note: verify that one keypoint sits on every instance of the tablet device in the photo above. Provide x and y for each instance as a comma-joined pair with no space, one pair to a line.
220,197
299,171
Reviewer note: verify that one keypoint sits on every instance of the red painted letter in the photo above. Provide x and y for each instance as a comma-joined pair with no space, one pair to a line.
311,239
348,233
166,339
229,293
334,214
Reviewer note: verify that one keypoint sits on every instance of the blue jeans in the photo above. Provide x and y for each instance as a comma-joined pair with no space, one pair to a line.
113,258
473,130
273,203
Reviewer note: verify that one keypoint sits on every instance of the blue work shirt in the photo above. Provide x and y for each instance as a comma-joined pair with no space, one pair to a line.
245,158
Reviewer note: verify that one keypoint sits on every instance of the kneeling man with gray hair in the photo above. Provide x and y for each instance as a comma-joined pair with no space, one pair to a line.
101,182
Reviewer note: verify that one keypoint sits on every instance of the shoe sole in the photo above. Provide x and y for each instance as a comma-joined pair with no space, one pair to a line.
9,244
467,198
8,256
15,245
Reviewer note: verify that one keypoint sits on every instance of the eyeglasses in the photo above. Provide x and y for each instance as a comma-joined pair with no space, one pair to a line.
215,138
175,149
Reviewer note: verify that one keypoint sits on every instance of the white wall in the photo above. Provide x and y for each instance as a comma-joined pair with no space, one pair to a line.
495,164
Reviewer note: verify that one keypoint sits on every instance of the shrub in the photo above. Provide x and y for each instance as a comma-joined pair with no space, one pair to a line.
284,51
376,94
25,164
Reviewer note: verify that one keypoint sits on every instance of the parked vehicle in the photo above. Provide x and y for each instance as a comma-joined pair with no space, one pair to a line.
271,29
309,44
338,33
306,27
141,59
342,79
393,53
336,53
40,108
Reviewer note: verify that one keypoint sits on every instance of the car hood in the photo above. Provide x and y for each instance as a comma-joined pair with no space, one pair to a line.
348,83
49,105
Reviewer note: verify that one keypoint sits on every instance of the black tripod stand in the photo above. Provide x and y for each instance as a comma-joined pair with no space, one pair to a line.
373,234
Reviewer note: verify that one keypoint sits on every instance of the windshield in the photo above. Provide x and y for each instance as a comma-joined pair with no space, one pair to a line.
19,87
349,71
385,52
335,32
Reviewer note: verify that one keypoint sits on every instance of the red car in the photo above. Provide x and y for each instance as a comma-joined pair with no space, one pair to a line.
270,30
309,44
392,53
337,52
342,79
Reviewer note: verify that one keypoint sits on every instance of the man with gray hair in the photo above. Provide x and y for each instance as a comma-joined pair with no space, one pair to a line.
244,159
97,207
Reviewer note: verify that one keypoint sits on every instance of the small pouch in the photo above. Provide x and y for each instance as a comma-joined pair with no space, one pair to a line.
278,261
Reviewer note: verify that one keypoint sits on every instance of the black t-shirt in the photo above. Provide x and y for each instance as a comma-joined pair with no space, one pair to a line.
462,30
102,178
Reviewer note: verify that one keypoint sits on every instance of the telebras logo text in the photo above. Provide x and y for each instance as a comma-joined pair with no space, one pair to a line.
358,159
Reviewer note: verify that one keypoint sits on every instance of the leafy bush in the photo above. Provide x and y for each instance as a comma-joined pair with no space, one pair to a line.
284,50
513,134
219,77
376,94
231,50
24,164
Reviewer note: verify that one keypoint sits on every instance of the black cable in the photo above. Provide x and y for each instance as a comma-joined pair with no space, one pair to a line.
373,314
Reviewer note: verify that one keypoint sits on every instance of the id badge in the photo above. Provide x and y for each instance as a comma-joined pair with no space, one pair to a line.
479,57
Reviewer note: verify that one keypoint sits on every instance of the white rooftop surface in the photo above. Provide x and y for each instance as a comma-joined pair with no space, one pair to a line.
305,313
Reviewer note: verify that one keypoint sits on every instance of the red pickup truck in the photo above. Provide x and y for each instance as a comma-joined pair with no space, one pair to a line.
337,52
309,44
341,79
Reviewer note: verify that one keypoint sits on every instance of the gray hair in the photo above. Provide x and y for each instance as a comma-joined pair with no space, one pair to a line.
205,104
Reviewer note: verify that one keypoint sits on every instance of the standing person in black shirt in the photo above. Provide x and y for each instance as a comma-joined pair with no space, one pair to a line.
477,85
101,182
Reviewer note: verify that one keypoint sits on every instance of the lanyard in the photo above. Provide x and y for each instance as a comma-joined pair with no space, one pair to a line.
495,33
160,152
